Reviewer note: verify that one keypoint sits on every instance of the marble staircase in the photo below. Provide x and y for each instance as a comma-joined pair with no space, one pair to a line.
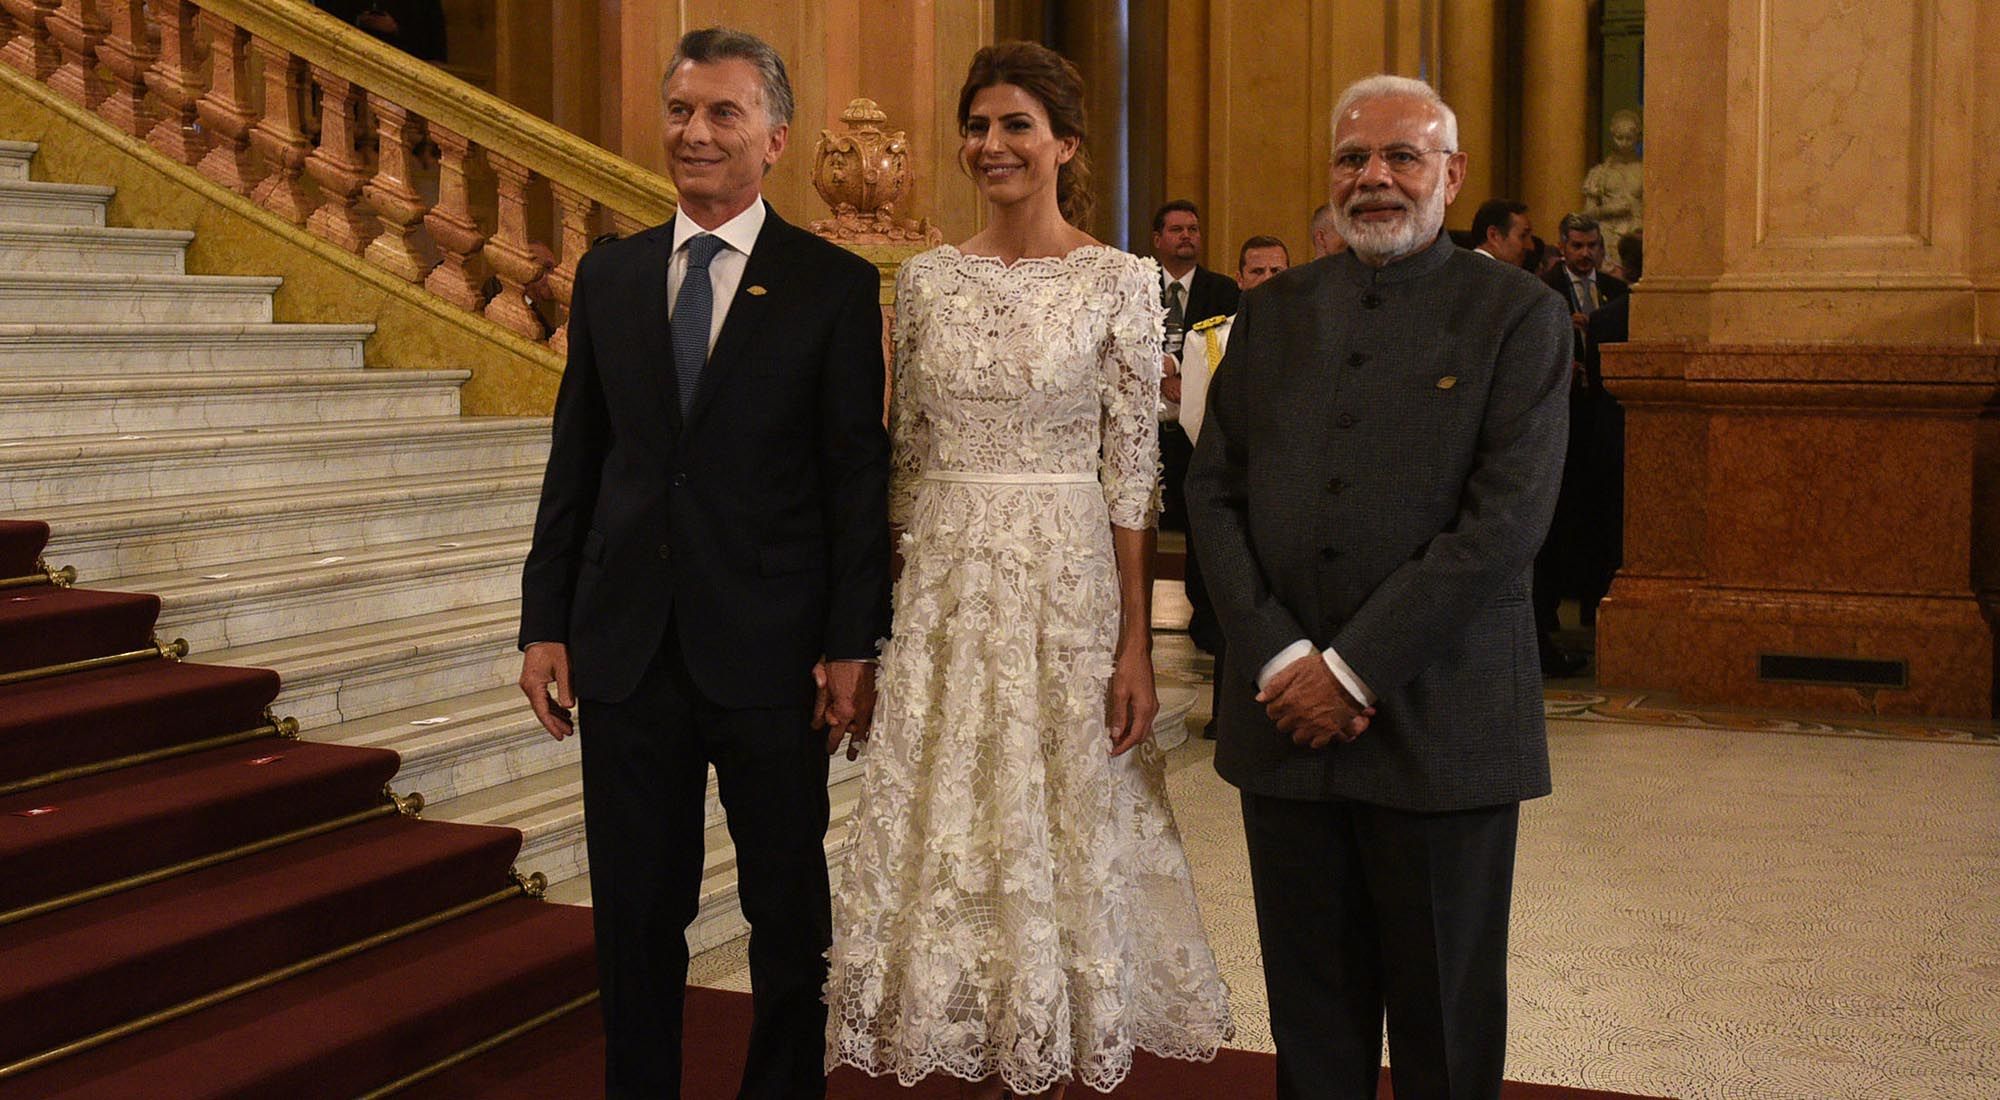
346,527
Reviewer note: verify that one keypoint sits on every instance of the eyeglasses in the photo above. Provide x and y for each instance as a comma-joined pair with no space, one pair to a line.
1401,160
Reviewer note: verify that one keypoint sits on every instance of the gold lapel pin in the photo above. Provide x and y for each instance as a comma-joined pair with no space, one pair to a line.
756,290
1448,381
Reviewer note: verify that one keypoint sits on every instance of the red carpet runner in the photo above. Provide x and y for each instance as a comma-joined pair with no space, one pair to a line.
166,851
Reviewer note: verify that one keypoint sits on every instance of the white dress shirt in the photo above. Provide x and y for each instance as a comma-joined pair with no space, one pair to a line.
725,271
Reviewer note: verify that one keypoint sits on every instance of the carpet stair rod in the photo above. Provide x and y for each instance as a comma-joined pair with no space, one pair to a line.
531,886
475,1050
60,578
170,651
411,805
286,728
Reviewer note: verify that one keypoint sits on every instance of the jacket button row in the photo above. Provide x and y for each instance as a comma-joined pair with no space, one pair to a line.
1335,485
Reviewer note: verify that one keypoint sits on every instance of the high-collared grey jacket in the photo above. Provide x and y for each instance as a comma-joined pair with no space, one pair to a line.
1377,468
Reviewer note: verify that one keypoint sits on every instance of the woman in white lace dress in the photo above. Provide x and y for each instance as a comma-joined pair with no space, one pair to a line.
1016,910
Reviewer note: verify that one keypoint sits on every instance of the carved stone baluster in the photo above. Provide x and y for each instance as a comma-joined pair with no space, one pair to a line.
279,137
78,26
176,80
398,206
32,49
579,214
514,262
226,110
461,272
128,55
337,168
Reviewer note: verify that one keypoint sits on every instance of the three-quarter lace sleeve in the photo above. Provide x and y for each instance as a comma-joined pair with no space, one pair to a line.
909,432
1130,465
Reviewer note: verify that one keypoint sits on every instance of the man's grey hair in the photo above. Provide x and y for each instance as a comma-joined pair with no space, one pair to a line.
1321,219
1576,223
724,43
1385,86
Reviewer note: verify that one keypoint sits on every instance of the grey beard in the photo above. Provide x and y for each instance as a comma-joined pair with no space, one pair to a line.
1383,243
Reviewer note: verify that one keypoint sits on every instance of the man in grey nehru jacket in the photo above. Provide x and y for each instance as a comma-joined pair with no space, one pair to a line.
1379,461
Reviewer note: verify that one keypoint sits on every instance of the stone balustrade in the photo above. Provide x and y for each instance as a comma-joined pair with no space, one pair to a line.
445,187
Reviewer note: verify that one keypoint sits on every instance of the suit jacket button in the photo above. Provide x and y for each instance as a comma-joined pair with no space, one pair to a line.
1355,359
1328,553
1346,420
1370,300
680,478
1335,485
666,552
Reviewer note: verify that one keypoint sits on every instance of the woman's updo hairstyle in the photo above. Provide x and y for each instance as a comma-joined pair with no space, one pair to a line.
1058,86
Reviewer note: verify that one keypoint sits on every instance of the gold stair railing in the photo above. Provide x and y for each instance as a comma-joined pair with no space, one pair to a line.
331,130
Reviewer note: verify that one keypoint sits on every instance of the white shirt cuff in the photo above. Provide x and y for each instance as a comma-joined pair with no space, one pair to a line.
1285,657
1348,680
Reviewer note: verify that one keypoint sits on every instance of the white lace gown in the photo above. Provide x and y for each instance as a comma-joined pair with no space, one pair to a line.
1016,900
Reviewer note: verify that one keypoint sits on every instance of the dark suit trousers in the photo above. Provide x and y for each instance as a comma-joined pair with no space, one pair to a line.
1363,908
1175,451
645,775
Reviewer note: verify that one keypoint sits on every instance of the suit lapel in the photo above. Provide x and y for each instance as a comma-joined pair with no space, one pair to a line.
656,355
749,310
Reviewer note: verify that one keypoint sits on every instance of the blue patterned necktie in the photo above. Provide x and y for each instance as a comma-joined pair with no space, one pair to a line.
694,310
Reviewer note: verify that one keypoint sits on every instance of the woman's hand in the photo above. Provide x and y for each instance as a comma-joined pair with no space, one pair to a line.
1133,703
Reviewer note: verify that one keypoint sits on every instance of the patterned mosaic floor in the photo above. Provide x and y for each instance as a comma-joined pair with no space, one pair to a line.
1711,906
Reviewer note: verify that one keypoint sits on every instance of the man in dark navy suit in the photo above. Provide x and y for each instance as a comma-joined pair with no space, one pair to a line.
710,569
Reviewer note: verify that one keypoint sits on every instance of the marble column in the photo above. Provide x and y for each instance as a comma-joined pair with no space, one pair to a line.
1555,109
1813,461
1466,80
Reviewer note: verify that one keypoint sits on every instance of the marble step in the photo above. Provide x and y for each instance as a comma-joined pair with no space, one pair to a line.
548,810
285,597
33,203
135,299
336,676
14,159
64,248
455,747
80,469
111,404
67,350
109,540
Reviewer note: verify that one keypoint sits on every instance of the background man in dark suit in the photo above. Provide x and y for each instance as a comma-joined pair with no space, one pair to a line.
1191,294
1567,565
1501,230
712,537
1603,458
1379,460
